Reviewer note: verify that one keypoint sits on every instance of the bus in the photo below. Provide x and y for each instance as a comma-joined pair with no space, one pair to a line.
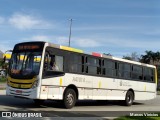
79,76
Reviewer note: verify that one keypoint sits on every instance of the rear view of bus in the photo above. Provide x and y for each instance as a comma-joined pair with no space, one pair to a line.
24,70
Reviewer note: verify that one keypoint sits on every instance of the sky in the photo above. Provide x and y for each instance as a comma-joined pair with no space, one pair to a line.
118,27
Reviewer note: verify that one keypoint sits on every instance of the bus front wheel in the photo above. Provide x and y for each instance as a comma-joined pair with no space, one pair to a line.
69,98
129,98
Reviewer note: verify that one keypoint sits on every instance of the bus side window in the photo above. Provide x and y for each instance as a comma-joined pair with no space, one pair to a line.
107,68
56,63
115,67
60,62
53,65
137,72
148,74
120,70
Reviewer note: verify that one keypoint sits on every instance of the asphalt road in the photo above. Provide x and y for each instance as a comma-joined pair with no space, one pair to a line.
82,108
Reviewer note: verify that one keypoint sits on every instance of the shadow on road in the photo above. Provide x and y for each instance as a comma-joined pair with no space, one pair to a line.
26,105
23,104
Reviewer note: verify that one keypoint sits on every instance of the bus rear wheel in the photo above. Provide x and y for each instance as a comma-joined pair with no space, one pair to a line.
129,98
69,98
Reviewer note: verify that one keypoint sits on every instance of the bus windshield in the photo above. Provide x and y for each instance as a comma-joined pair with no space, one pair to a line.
25,64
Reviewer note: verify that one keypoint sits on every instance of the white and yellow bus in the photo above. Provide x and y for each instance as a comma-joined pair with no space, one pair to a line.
78,76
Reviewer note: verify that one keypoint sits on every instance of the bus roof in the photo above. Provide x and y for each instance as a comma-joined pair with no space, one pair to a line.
98,55
92,53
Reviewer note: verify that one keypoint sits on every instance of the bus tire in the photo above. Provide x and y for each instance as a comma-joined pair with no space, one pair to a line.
129,98
38,102
69,98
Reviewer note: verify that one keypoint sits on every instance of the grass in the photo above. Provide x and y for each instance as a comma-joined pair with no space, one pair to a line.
3,79
139,117
2,88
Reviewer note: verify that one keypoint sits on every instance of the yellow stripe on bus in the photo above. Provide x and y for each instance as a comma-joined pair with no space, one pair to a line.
71,49
20,85
144,87
156,76
26,86
99,84
21,80
60,82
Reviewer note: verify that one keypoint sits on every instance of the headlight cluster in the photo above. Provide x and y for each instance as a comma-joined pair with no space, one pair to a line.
35,84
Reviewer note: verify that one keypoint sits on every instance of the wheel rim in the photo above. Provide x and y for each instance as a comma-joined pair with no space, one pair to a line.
70,99
129,98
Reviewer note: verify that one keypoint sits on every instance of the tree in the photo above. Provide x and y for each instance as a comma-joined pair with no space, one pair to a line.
150,57
1,63
133,56
108,54
157,54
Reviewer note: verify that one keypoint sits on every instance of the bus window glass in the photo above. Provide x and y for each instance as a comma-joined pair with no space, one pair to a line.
148,74
121,66
75,58
137,69
93,61
109,72
127,75
115,73
92,70
120,70
55,63
108,64
127,67
137,72
76,68
59,63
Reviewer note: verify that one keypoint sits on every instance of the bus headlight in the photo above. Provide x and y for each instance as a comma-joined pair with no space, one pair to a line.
35,84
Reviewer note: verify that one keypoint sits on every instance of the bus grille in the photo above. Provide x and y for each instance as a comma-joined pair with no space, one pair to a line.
21,84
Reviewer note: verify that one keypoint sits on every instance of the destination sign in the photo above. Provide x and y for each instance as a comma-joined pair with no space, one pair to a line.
29,46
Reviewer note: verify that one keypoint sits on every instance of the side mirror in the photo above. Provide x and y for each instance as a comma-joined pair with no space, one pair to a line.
4,59
5,55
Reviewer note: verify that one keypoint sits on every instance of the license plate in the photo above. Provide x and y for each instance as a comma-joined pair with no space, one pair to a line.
19,91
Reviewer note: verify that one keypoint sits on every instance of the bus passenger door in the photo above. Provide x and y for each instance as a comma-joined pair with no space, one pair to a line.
53,75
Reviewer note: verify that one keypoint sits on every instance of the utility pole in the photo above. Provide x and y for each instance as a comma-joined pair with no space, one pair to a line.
70,32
